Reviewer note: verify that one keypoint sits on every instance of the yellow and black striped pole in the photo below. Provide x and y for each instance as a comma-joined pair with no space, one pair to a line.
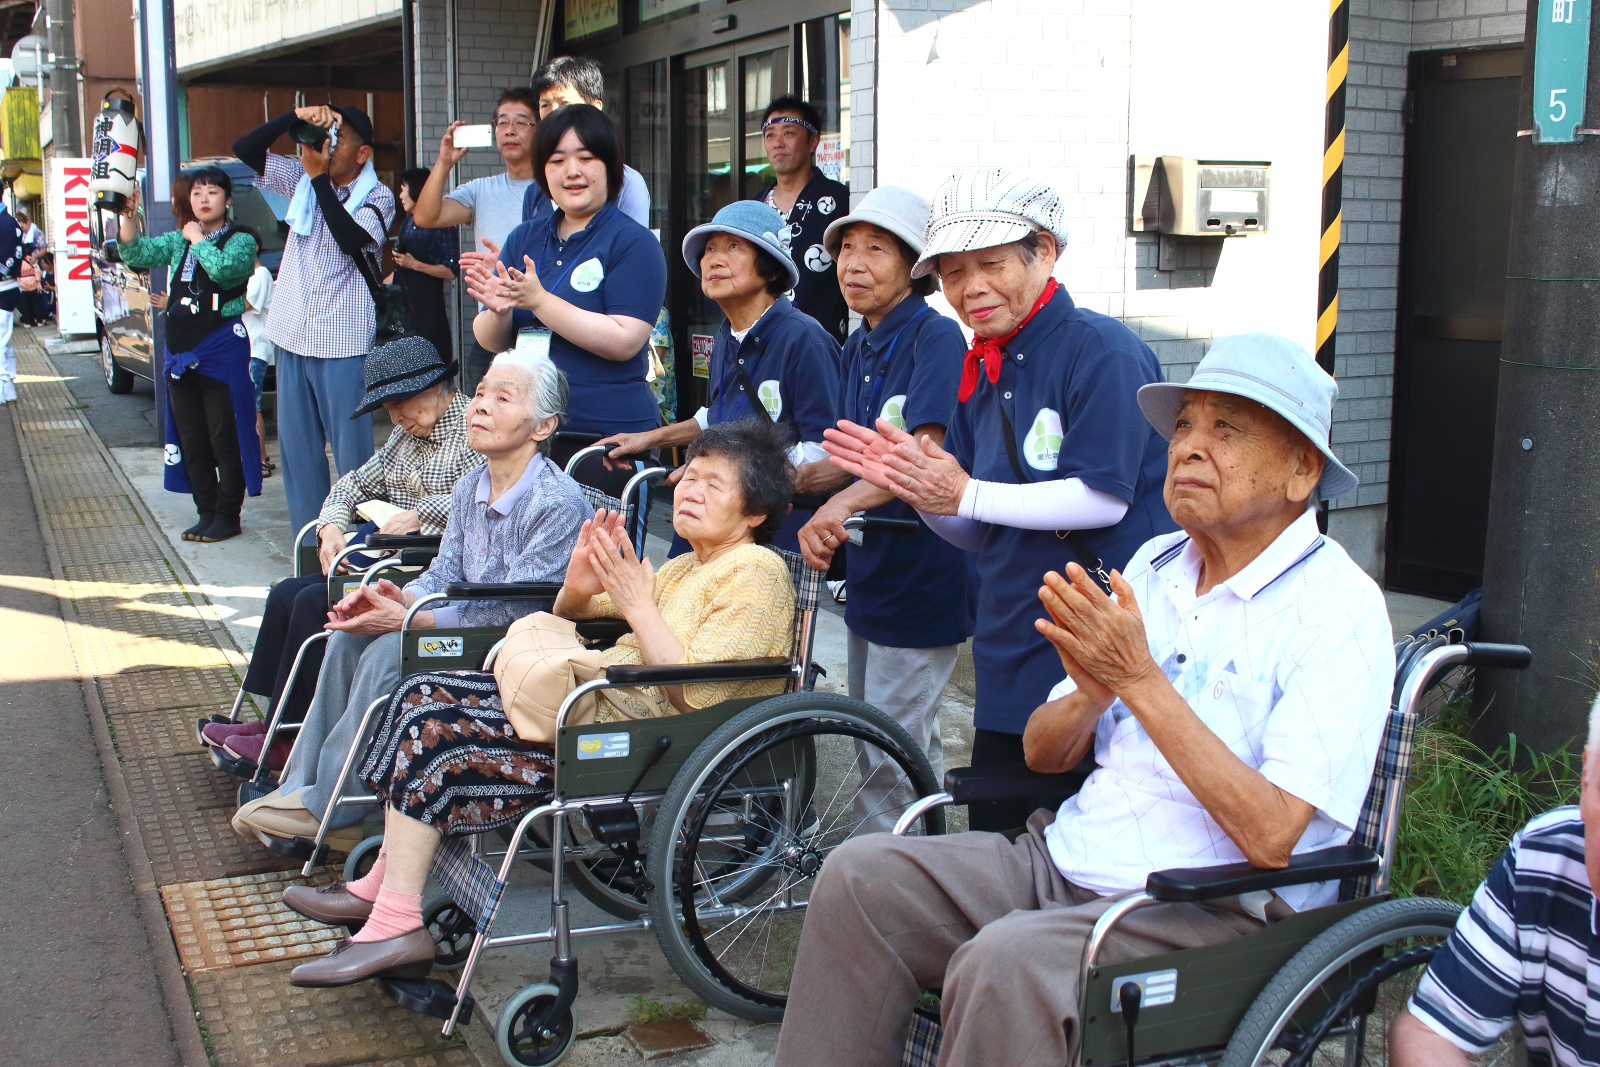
1332,181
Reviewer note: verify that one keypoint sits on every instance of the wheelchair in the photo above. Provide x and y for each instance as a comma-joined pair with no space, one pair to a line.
1318,988
403,557
708,827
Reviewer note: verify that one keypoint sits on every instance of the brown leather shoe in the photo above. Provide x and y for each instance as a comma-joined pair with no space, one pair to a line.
408,956
331,904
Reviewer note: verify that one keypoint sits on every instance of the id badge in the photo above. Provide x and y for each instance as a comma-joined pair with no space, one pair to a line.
533,340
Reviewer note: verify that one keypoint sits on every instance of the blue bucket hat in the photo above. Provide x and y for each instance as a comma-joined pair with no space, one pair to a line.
1274,372
750,219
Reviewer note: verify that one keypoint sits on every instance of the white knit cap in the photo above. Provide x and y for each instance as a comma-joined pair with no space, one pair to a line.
989,206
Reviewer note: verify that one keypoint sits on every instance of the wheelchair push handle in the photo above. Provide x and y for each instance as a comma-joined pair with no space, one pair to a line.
875,524
1508,657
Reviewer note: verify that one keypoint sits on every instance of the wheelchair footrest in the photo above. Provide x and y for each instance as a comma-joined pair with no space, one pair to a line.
427,996
299,848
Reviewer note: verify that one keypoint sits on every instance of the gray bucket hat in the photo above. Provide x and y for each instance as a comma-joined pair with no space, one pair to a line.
892,208
400,370
1274,372
752,220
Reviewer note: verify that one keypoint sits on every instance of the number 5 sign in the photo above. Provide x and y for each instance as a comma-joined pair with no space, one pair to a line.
1560,70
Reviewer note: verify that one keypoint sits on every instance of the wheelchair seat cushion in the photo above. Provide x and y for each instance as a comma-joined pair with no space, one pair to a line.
445,754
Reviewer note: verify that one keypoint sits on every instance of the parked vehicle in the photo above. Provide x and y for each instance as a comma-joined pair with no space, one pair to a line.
123,315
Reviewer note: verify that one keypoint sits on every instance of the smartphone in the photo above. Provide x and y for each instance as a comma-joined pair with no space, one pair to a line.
475,136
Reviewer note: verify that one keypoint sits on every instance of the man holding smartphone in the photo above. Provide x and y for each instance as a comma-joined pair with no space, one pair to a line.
322,317
492,205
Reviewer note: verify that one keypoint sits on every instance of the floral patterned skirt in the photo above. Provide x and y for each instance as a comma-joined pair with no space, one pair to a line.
446,755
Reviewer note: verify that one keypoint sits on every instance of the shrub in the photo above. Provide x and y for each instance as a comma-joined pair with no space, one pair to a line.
1463,805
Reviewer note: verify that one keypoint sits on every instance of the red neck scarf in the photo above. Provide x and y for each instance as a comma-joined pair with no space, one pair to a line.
987,349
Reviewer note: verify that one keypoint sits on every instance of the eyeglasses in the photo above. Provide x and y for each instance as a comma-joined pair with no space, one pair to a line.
513,124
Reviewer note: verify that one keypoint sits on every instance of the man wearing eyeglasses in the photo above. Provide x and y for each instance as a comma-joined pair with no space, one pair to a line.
808,200
493,204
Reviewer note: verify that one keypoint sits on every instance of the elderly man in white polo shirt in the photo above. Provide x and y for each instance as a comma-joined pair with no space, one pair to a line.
1234,693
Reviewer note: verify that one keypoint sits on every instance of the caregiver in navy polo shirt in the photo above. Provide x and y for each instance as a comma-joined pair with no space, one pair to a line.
1048,458
589,274
907,612
769,361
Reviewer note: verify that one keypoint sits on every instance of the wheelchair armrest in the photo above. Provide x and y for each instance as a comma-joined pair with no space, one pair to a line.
603,629
418,557
1012,781
743,670
386,541
1230,879
502,590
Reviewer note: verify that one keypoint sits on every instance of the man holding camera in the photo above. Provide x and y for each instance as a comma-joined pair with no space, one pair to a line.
323,317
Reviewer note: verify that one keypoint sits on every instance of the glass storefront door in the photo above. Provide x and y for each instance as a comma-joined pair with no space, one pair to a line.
691,122
725,92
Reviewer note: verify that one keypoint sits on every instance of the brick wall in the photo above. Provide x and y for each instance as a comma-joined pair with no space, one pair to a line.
1069,88
1383,34
493,51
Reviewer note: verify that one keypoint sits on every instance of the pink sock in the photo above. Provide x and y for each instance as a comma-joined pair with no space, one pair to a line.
366,887
393,914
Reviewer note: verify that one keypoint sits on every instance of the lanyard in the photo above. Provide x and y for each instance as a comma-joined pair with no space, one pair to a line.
734,375
572,261
883,365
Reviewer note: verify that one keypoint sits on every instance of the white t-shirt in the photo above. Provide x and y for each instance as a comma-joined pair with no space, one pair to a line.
258,295
495,203
1290,662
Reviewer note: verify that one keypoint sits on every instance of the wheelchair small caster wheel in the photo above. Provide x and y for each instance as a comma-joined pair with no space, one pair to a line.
361,858
528,1034
453,931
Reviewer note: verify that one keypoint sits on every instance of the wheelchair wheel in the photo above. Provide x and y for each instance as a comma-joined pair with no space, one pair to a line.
1331,1005
748,824
528,1034
452,930
362,857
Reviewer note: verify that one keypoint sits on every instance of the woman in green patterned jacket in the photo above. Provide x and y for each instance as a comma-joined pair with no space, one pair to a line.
211,446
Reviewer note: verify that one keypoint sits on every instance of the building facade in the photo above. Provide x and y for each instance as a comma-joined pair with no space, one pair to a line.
1078,91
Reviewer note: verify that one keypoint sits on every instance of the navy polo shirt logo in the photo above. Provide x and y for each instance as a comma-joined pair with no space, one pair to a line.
894,411
1043,444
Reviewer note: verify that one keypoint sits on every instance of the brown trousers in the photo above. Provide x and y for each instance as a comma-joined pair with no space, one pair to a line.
991,922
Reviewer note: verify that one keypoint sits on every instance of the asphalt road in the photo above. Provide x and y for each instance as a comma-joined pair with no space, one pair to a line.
121,421
75,958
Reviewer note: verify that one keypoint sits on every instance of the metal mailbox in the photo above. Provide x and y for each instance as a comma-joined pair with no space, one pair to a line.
1199,197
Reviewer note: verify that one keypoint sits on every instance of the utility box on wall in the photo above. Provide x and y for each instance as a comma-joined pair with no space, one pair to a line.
1198,197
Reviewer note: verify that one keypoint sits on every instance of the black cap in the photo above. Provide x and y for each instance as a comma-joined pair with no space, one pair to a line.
356,119
400,370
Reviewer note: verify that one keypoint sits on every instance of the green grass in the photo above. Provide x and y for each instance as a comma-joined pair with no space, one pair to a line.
1463,805
653,1011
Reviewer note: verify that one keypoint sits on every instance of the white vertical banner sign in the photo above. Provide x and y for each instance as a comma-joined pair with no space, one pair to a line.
69,222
